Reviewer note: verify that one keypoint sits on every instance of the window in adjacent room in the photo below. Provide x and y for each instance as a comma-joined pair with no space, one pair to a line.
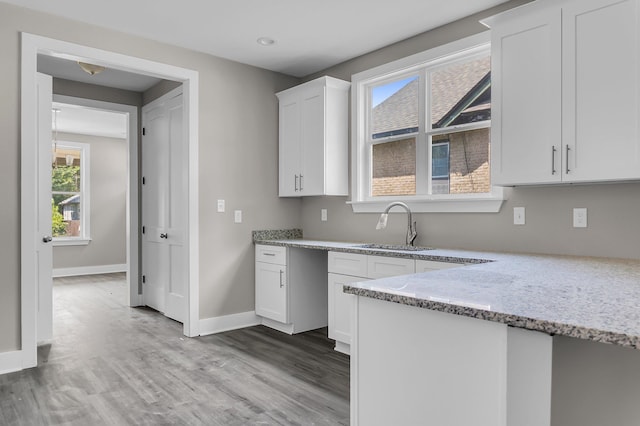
69,193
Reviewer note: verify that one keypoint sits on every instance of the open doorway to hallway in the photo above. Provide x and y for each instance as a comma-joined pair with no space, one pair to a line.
34,238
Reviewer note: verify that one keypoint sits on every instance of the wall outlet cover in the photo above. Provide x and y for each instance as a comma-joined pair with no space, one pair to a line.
237,216
580,217
323,215
518,216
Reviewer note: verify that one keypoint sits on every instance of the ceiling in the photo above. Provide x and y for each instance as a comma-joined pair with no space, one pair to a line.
88,121
310,35
70,70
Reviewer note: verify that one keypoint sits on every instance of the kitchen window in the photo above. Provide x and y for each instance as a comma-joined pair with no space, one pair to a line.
69,193
421,131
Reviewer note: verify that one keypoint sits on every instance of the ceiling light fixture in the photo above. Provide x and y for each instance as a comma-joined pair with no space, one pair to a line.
265,41
91,68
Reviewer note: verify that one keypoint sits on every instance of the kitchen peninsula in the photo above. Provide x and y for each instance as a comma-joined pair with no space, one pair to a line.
476,343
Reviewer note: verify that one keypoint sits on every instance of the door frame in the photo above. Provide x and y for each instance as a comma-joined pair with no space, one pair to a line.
32,45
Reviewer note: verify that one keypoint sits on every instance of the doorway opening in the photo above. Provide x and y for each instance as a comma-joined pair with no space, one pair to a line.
31,240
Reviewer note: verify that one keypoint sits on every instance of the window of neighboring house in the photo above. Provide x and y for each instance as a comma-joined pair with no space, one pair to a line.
422,131
70,193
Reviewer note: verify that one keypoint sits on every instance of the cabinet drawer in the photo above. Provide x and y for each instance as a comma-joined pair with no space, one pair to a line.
271,254
348,264
430,265
382,266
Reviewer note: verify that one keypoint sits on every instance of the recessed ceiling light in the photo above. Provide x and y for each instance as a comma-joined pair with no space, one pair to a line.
265,41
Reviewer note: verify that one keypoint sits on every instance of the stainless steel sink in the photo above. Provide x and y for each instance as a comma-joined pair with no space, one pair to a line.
394,247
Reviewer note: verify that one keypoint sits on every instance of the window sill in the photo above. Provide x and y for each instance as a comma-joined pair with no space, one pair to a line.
486,203
71,241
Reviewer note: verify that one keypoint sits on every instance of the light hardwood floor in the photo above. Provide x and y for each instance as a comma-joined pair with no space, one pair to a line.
114,365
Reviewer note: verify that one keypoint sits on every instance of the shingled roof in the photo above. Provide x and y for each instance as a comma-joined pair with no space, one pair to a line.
459,91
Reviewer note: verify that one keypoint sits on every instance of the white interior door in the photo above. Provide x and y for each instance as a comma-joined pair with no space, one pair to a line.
44,251
164,188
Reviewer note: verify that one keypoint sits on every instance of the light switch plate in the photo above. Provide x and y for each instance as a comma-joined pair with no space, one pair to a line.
323,215
580,217
220,206
518,216
237,216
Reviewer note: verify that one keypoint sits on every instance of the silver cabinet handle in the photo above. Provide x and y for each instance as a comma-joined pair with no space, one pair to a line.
301,182
296,182
567,159
553,160
281,281
47,239
269,254
165,236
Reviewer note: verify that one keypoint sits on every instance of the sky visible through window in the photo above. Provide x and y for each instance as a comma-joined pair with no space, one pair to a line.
383,92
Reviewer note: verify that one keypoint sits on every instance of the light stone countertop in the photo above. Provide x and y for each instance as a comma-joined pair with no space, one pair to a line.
587,298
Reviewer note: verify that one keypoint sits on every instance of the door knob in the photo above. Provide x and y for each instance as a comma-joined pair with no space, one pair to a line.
165,236
47,239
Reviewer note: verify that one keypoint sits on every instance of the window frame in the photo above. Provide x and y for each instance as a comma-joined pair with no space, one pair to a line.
85,200
361,160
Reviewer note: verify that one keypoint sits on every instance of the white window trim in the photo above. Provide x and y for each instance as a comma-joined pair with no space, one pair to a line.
85,207
449,203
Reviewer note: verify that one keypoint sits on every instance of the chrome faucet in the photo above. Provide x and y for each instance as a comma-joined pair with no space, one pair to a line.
411,225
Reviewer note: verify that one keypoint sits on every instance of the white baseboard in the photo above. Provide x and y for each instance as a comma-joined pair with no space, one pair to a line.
10,362
228,322
89,270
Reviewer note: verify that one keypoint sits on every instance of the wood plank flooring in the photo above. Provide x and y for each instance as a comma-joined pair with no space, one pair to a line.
114,365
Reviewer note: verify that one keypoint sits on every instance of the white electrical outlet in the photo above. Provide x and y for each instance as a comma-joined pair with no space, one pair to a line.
518,216
580,217
323,215
220,206
237,216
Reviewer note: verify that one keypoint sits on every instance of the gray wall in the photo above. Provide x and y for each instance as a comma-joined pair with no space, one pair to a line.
238,158
153,93
613,209
96,92
108,190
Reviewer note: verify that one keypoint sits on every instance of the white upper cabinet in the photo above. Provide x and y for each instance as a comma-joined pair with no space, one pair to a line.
313,139
565,82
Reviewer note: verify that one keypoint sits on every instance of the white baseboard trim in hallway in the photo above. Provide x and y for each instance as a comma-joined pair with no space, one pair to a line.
10,362
89,270
228,322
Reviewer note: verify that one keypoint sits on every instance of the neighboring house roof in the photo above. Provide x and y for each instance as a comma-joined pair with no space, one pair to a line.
398,111
74,199
458,91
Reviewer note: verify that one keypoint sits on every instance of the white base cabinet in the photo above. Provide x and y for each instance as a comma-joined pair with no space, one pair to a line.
290,288
348,268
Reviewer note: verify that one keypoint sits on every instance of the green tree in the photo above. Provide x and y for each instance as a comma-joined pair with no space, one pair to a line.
58,227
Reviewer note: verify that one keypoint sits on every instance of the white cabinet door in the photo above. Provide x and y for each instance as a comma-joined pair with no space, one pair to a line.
272,291
340,307
289,151
382,266
526,99
430,265
312,146
600,90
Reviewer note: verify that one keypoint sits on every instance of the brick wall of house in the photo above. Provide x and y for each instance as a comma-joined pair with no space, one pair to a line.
394,166
469,162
